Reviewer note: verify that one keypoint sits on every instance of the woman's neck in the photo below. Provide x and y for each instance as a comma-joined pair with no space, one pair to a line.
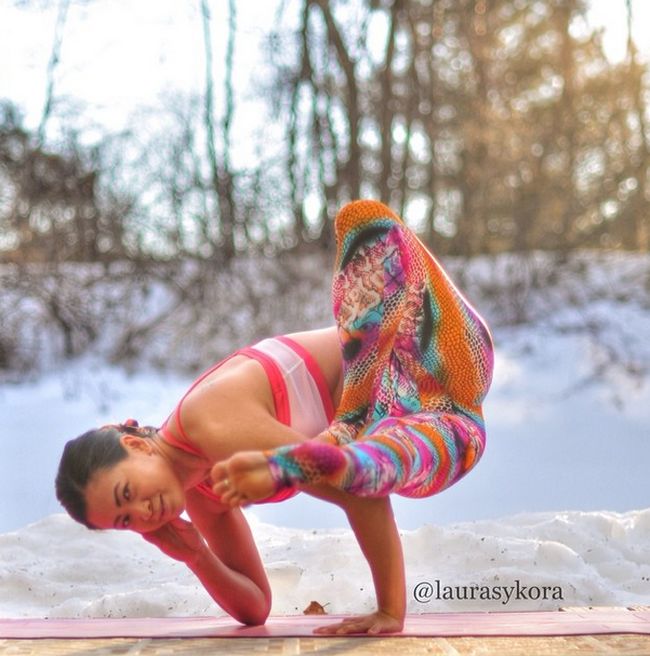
190,469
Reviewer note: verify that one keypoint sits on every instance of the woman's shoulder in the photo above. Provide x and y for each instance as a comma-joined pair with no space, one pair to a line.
210,410
239,382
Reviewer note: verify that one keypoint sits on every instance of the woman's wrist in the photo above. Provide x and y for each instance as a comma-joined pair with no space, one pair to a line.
393,617
197,558
396,613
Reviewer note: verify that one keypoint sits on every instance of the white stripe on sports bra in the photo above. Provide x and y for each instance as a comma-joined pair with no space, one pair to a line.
308,415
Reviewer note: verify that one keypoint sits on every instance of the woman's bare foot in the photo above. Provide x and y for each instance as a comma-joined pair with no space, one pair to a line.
243,478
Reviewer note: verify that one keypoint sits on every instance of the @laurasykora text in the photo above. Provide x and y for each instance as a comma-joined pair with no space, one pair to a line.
426,591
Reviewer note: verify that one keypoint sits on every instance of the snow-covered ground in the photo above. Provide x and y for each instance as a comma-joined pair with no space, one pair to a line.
560,498
56,568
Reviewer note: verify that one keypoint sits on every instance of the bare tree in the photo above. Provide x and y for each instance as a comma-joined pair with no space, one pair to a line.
220,168
639,234
55,56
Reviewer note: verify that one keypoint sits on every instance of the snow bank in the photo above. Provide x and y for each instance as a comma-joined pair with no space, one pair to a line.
56,568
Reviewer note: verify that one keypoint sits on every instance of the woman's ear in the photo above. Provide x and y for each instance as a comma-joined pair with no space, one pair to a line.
137,444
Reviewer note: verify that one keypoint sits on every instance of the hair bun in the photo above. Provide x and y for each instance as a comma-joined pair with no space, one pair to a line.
131,423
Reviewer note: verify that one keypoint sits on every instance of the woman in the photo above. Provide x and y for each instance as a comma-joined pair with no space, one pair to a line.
407,368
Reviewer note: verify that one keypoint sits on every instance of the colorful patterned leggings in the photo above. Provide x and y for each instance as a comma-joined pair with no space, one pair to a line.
417,364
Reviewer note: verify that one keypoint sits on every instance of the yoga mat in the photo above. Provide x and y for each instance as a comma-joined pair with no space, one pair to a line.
525,623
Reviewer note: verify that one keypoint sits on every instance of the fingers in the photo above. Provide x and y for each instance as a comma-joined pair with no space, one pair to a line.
157,537
368,624
219,476
339,629
231,496
167,531
350,625
151,537
222,484
242,479
219,472
226,488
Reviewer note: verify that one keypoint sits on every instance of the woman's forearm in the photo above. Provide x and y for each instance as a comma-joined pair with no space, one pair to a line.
374,526
237,594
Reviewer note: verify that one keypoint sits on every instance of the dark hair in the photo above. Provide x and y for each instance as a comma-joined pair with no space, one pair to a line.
99,448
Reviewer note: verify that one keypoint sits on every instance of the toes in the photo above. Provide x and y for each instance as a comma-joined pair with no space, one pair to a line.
230,495
236,500
241,480
224,493
219,473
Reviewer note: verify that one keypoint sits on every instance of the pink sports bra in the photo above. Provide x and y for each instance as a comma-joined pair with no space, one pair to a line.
300,396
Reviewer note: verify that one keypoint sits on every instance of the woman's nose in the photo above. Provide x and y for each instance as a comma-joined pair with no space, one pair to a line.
145,509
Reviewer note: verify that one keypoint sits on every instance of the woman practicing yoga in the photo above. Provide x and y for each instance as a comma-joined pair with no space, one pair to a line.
388,401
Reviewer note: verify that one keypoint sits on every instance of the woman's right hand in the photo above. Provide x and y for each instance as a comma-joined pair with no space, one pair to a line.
179,539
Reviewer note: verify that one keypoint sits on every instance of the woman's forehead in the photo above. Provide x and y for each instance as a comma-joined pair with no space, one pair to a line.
100,496
105,479
107,482
108,479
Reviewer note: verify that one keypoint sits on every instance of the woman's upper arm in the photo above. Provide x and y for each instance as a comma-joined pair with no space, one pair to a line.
228,535
223,419
251,429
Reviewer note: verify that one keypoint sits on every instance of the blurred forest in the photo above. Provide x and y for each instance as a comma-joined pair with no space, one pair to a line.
494,126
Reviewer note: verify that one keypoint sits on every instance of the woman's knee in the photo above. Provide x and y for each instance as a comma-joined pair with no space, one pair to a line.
362,211
360,214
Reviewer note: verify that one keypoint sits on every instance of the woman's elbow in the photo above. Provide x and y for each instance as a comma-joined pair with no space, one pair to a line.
255,616
255,613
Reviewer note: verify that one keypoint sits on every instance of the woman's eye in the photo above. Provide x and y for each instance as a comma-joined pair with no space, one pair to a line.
125,522
127,492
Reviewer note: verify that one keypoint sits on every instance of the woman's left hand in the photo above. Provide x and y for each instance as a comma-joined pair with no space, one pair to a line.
374,623
178,539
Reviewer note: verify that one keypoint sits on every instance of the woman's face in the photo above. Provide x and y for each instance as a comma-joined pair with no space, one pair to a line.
140,493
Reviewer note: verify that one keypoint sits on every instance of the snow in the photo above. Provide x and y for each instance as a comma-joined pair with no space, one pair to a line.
532,561
559,503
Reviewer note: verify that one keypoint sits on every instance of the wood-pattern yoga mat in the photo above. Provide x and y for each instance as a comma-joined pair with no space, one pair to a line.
576,621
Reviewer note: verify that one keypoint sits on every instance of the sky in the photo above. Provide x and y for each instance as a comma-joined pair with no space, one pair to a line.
118,55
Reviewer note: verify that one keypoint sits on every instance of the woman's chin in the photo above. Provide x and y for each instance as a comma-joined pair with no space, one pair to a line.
172,507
